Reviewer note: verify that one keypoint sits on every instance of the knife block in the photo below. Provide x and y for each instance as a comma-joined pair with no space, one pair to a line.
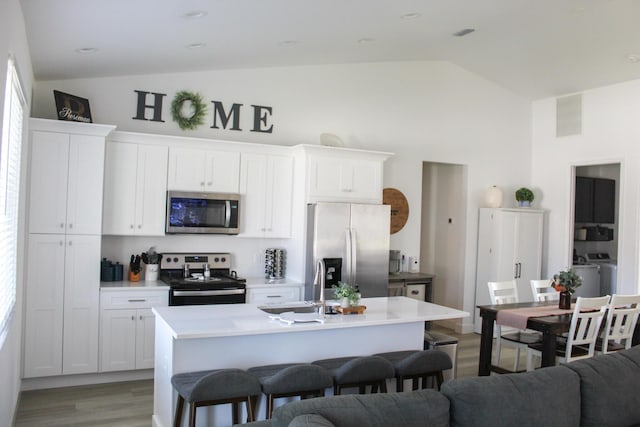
134,277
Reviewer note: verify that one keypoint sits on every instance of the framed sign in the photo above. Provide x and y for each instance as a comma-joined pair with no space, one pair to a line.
71,107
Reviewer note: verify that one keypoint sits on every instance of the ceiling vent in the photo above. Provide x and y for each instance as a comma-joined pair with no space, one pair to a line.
569,115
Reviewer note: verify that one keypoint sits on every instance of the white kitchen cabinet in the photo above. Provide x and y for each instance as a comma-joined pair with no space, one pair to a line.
127,328
273,294
509,247
266,185
66,178
62,302
344,175
193,169
135,189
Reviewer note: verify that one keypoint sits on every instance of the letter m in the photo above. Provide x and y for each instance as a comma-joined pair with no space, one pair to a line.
218,112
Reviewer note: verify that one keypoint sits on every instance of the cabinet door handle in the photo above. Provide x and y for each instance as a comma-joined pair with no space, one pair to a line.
141,317
209,183
515,273
202,183
274,296
133,317
131,226
137,300
70,225
62,225
70,243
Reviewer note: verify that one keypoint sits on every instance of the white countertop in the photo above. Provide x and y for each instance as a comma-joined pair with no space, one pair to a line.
264,282
123,285
206,321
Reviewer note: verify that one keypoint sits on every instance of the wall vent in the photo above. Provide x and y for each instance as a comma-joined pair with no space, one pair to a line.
569,115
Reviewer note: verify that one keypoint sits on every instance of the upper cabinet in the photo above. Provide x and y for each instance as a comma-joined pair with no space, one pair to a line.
135,189
266,183
193,169
67,165
344,175
595,200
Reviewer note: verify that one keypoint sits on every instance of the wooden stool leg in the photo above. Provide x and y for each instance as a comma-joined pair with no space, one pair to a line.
177,418
235,407
269,406
251,408
192,414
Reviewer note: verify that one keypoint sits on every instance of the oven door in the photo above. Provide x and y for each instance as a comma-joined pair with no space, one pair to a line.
231,295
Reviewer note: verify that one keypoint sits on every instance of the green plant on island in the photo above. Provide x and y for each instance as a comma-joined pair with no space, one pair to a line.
344,290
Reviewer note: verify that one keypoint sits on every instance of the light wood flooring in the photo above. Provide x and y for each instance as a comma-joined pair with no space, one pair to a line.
130,404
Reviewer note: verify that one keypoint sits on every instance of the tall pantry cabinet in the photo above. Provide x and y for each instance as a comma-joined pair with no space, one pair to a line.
509,247
66,170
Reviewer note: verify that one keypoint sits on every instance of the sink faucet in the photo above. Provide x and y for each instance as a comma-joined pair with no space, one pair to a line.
321,275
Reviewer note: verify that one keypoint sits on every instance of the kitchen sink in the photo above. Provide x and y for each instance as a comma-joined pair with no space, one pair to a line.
296,307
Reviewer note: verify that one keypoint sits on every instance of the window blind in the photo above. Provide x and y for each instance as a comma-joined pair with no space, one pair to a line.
10,148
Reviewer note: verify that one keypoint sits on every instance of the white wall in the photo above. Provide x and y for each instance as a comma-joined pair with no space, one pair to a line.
13,41
422,111
610,134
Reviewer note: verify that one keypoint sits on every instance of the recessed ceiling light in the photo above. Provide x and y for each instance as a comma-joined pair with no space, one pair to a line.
412,15
195,14
633,57
195,45
86,50
286,43
464,32
366,40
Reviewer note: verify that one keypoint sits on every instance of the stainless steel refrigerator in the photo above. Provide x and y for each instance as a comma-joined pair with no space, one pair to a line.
355,239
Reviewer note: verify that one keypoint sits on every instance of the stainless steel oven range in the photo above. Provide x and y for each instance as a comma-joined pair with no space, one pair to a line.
201,278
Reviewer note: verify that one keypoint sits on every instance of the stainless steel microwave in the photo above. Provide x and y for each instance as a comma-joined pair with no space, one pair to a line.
202,213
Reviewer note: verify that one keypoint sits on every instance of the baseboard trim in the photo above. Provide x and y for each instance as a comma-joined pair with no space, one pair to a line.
84,379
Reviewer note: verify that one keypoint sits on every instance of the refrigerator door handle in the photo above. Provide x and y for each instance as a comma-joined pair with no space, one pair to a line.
347,251
354,258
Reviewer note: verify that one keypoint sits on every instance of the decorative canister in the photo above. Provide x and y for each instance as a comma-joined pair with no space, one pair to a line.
493,197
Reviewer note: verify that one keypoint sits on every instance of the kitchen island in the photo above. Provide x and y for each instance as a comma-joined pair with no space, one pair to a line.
192,338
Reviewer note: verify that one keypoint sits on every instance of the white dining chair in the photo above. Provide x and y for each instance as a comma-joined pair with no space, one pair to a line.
506,292
622,316
542,291
580,342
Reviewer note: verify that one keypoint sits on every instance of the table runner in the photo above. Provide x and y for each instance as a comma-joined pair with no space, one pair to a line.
518,317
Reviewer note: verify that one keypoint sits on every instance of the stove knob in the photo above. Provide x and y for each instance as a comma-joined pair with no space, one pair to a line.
175,259
216,259
223,259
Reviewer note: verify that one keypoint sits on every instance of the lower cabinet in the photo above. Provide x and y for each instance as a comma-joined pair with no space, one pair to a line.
127,328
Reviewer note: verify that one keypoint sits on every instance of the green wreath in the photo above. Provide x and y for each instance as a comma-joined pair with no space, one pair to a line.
199,110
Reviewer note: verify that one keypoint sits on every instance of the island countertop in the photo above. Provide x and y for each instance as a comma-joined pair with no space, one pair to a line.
207,321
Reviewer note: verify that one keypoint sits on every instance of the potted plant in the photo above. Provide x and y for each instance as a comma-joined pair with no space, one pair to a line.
347,295
524,196
566,283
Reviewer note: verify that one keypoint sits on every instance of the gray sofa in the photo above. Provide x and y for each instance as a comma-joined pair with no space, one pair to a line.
601,391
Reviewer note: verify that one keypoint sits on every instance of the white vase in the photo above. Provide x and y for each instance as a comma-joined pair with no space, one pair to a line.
344,302
493,197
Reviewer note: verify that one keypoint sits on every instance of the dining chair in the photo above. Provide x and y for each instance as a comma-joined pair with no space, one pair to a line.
580,342
542,291
622,316
506,292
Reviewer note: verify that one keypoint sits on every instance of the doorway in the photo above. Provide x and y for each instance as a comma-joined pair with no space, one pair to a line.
595,225
442,232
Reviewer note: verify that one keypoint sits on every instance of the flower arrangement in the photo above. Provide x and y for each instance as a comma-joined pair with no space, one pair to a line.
346,291
566,281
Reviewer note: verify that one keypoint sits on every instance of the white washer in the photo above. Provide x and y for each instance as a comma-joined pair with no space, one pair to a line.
608,271
590,275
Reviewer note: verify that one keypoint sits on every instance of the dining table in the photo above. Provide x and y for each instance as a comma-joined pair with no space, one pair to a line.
551,326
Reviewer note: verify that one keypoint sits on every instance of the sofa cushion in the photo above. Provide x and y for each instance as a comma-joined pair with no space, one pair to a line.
419,408
546,397
609,388
310,420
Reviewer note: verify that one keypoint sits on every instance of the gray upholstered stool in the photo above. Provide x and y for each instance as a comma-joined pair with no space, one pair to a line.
358,372
205,388
416,364
291,379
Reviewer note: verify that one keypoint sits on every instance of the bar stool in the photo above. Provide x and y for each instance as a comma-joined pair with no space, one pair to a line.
418,364
205,388
291,379
348,372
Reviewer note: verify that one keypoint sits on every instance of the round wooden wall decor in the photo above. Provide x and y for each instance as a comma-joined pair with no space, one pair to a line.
399,208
